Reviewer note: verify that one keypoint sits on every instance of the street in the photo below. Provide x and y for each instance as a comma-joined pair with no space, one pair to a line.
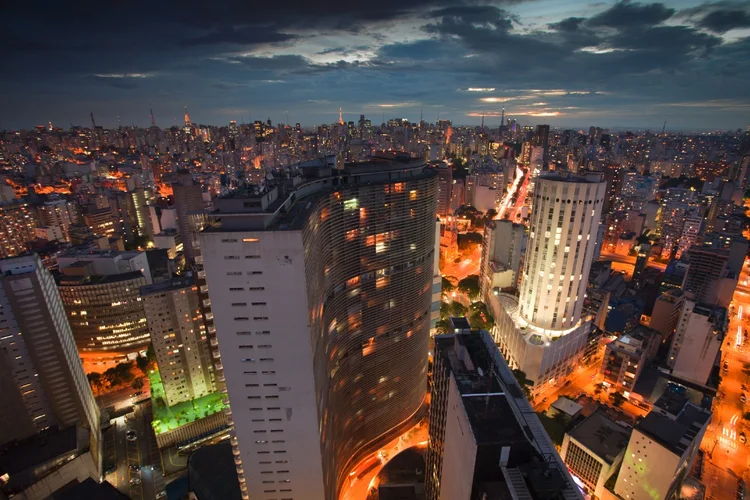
725,453
128,453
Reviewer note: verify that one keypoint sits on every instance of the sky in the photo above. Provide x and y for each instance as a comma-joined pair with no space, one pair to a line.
568,63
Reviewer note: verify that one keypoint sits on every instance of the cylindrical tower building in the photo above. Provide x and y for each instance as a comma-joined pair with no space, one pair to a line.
562,238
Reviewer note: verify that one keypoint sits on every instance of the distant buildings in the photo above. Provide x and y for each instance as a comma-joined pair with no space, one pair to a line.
17,223
625,358
485,441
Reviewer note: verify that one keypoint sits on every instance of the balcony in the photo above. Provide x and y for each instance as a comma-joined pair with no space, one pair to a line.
207,303
214,341
221,378
216,354
202,275
219,366
237,461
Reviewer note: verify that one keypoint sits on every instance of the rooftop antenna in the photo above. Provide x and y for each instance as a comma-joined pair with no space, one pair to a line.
153,122
93,123
502,117
341,117
483,120
664,127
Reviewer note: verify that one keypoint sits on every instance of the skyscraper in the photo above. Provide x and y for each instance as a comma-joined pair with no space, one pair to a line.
188,199
485,441
43,383
560,250
322,297
542,332
697,341
503,246
178,335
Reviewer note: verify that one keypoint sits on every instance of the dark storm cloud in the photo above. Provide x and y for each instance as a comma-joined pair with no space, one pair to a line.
626,13
227,55
721,21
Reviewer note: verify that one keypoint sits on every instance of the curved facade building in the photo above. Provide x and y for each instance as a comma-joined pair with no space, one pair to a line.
321,297
562,238
105,312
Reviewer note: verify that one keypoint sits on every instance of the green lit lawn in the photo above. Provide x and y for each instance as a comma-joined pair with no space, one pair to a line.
169,418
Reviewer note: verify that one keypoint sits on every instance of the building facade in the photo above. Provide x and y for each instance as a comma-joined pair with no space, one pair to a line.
321,296
43,381
503,247
17,223
179,338
697,341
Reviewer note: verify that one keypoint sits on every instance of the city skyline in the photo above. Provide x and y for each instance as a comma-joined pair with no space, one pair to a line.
569,64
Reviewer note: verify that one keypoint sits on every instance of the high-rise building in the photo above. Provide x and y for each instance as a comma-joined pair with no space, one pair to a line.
666,312
188,200
503,246
625,357
485,441
542,332
445,188
321,297
541,140
643,252
660,453
43,382
690,230
17,223
179,338
105,310
697,341
59,213
708,277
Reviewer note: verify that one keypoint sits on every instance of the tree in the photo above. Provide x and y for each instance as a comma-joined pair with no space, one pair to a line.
466,241
457,309
443,326
598,388
617,399
746,415
96,380
137,384
445,310
143,363
470,286
447,286
480,316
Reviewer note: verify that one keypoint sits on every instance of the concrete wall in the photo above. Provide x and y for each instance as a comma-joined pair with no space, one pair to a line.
459,452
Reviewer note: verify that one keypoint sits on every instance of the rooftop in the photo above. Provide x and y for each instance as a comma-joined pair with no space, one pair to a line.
675,435
601,436
19,456
211,471
95,280
167,286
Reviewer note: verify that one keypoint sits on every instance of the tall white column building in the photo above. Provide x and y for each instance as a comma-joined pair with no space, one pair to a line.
542,331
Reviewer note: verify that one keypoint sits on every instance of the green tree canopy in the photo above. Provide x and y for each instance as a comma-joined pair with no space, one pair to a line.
470,286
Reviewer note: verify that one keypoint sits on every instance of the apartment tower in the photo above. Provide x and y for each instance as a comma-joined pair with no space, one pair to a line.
321,288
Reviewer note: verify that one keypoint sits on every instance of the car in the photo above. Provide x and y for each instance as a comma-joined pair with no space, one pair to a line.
138,393
743,438
135,467
132,438
161,494
135,480
744,388
130,432
109,468
743,399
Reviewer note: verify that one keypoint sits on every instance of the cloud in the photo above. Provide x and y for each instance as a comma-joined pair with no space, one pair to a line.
628,14
721,21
